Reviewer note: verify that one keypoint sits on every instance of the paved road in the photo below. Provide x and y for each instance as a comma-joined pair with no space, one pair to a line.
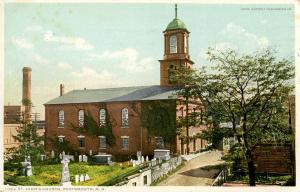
198,171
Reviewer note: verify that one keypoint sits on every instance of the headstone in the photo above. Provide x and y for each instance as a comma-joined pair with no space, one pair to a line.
143,159
147,158
84,158
27,169
91,152
52,154
87,177
60,156
163,154
43,157
133,163
103,159
81,178
63,154
80,158
130,160
76,178
65,176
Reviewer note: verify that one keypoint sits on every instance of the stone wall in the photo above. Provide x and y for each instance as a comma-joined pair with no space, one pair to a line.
159,170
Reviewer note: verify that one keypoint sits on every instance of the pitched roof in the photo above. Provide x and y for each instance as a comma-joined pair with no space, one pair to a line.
139,93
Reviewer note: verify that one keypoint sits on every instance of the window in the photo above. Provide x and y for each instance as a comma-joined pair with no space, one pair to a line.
125,142
159,143
61,118
102,142
81,118
102,116
145,180
173,44
134,184
61,138
185,44
81,141
125,117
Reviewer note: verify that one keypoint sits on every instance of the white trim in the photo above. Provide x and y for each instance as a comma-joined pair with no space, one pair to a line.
101,136
124,136
61,136
80,136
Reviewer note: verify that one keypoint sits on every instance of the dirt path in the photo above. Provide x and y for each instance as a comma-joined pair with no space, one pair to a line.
198,171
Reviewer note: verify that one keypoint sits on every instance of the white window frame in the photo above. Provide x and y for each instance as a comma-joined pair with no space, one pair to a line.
83,138
81,118
100,146
125,118
173,44
61,119
123,138
102,117
185,44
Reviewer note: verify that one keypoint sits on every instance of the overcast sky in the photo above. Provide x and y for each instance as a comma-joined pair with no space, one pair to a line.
112,45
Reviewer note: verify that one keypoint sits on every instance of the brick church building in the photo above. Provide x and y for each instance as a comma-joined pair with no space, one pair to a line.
123,109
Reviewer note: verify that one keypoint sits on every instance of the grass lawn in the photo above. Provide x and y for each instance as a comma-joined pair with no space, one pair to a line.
260,178
46,175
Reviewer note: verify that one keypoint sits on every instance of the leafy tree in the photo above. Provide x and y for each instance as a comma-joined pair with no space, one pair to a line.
29,142
252,88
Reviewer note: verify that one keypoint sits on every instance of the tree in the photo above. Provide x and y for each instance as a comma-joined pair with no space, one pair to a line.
192,106
29,142
252,88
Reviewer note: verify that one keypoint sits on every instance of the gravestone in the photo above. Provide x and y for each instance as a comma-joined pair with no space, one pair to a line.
65,176
91,152
76,178
84,158
143,159
81,178
52,154
27,169
87,177
147,158
133,163
163,154
43,157
103,159
63,154
60,156
80,158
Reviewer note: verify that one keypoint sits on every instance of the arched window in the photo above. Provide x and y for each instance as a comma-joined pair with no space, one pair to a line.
81,118
61,118
125,117
173,44
102,117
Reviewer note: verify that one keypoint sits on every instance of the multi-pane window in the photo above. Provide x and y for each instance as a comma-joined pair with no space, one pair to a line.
81,141
61,118
125,143
159,143
102,142
125,117
173,44
81,118
102,116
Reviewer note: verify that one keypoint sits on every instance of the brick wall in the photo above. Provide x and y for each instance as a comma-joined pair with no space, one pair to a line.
273,158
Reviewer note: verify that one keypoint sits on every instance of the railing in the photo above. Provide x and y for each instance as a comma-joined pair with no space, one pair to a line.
220,179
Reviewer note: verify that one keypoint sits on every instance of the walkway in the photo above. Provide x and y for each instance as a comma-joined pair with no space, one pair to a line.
199,171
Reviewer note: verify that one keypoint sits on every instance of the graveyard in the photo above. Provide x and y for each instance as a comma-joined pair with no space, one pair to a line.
50,175
87,170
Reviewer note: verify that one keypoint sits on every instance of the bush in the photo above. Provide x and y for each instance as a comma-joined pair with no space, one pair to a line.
49,179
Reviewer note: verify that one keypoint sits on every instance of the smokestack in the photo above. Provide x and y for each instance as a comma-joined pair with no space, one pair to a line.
26,100
62,89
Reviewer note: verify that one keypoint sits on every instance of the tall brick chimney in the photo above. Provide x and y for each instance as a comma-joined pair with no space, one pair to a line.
26,100
61,90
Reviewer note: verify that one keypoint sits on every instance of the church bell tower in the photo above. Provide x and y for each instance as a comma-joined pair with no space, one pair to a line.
176,50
